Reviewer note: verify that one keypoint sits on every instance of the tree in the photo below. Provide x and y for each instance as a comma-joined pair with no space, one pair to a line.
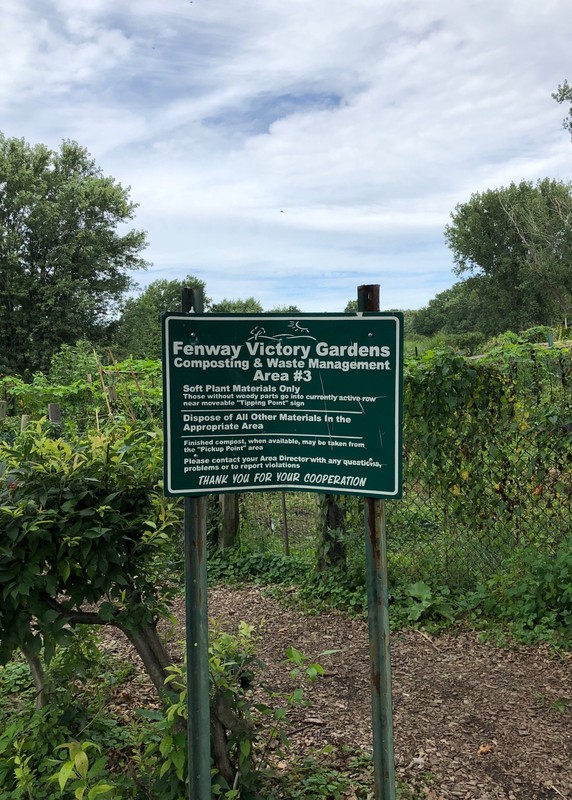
564,95
284,310
139,328
84,524
461,309
332,550
64,263
247,306
519,241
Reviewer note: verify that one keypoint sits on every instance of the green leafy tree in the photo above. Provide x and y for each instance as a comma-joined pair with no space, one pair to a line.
564,95
73,363
65,254
460,309
86,532
139,329
247,306
284,310
519,241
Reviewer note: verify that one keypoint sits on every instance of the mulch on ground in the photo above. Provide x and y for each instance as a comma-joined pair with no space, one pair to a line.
472,721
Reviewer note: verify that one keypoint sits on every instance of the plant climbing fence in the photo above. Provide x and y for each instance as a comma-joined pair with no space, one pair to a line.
487,469
487,463
487,459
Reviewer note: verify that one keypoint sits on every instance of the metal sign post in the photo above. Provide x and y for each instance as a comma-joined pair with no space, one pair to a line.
283,402
378,622
196,627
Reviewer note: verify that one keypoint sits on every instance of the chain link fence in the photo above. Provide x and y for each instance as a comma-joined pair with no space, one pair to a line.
493,498
487,471
494,487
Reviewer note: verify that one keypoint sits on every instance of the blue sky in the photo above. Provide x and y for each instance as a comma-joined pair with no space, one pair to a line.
291,151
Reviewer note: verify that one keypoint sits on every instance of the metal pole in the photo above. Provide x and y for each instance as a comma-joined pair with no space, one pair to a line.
378,622
196,625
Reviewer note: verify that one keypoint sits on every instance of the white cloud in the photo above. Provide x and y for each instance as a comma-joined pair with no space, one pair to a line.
293,150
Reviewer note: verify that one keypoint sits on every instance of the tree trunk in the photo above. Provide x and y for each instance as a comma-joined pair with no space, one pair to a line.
156,660
332,547
285,532
229,521
38,676
143,637
152,653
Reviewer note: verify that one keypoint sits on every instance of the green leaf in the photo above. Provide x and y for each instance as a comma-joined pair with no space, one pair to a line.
415,612
419,590
100,789
65,774
81,763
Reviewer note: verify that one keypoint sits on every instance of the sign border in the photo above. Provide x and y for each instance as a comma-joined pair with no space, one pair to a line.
243,488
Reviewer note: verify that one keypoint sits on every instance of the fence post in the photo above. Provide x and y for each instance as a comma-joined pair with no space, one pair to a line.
55,414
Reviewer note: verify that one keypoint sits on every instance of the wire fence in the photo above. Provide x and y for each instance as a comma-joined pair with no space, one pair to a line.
487,465
513,489
491,491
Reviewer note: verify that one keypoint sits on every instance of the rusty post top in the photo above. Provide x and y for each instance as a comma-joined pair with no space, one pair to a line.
368,297
192,300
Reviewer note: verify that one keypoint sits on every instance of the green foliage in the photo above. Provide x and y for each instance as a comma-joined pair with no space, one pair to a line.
534,594
536,335
27,744
139,329
86,520
517,241
73,363
236,566
133,390
33,397
453,408
250,720
467,426
15,681
77,774
337,587
419,605
84,662
63,261
147,759
138,384
564,95
29,762
247,306
457,311
284,310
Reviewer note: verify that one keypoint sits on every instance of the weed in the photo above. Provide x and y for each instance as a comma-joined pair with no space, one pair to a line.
561,705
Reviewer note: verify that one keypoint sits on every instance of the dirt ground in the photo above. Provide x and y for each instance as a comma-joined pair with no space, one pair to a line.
471,721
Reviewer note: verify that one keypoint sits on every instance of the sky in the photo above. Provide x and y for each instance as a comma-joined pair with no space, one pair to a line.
292,151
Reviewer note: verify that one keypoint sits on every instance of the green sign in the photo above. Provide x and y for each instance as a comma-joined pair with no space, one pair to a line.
261,402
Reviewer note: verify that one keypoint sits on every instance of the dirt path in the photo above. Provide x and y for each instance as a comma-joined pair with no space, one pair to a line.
470,720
